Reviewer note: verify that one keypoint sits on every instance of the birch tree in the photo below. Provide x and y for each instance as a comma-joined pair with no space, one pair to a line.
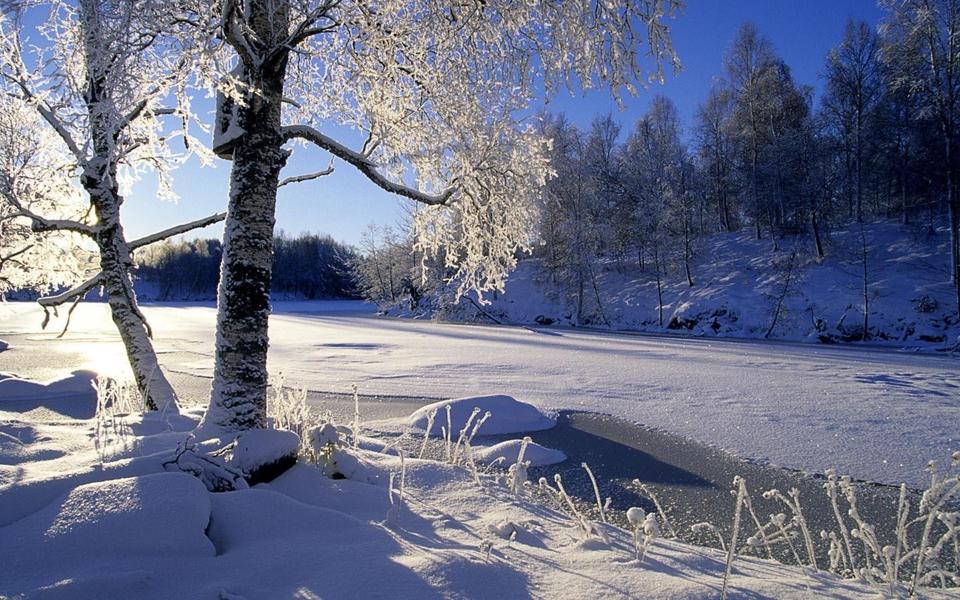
97,80
922,39
853,78
436,90
34,173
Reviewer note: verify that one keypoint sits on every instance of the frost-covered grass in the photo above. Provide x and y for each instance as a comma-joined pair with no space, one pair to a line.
923,550
419,528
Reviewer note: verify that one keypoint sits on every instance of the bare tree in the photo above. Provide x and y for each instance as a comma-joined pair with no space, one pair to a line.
434,87
853,91
98,83
922,40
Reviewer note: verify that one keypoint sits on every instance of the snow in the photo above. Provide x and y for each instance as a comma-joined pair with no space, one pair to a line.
260,447
871,413
147,517
73,395
739,279
508,451
507,415
162,535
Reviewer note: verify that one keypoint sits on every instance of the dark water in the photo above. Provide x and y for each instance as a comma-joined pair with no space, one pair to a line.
693,482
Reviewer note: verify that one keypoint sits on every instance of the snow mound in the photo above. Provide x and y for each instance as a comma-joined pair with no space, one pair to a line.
262,454
73,396
507,415
537,455
159,515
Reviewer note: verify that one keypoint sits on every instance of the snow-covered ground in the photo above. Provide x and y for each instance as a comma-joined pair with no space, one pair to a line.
738,282
110,522
874,414
88,510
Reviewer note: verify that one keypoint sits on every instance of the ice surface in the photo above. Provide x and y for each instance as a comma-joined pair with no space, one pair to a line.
872,413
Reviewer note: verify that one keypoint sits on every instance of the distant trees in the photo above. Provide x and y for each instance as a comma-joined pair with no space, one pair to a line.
306,267
881,143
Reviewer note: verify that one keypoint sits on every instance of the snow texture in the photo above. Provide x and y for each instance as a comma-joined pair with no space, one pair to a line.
258,448
871,413
157,535
73,396
508,451
507,415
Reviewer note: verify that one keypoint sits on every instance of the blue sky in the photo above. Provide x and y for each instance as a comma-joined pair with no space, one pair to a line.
343,204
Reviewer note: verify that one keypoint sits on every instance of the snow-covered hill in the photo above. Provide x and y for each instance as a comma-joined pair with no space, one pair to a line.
738,282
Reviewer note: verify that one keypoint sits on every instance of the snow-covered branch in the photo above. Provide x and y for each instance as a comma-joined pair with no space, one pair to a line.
40,223
307,176
364,165
68,295
81,290
177,230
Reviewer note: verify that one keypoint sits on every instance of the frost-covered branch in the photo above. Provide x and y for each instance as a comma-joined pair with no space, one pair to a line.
81,290
41,224
307,176
176,230
364,165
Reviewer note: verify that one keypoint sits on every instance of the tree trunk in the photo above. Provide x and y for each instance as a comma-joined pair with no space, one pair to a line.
115,264
99,179
656,262
238,400
243,298
817,242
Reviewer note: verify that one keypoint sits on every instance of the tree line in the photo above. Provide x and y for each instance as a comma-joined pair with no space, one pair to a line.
761,155
308,266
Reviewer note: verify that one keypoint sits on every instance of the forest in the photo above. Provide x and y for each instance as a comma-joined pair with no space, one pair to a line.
307,267
762,155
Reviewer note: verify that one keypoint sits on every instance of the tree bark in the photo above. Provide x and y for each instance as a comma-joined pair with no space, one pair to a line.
99,179
238,400
115,265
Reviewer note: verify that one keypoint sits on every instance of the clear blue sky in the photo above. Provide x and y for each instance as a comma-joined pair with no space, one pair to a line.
343,204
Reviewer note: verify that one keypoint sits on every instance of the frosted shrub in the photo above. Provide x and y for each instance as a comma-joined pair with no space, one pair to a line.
596,492
642,524
711,528
118,396
431,416
517,474
115,397
321,442
287,408
587,529
396,504
356,426
653,498
925,549
466,438
792,502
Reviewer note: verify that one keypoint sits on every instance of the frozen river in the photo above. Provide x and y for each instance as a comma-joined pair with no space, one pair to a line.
875,414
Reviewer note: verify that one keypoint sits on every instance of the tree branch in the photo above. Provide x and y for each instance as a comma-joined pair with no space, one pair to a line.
81,290
176,230
307,177
41,224
364,165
